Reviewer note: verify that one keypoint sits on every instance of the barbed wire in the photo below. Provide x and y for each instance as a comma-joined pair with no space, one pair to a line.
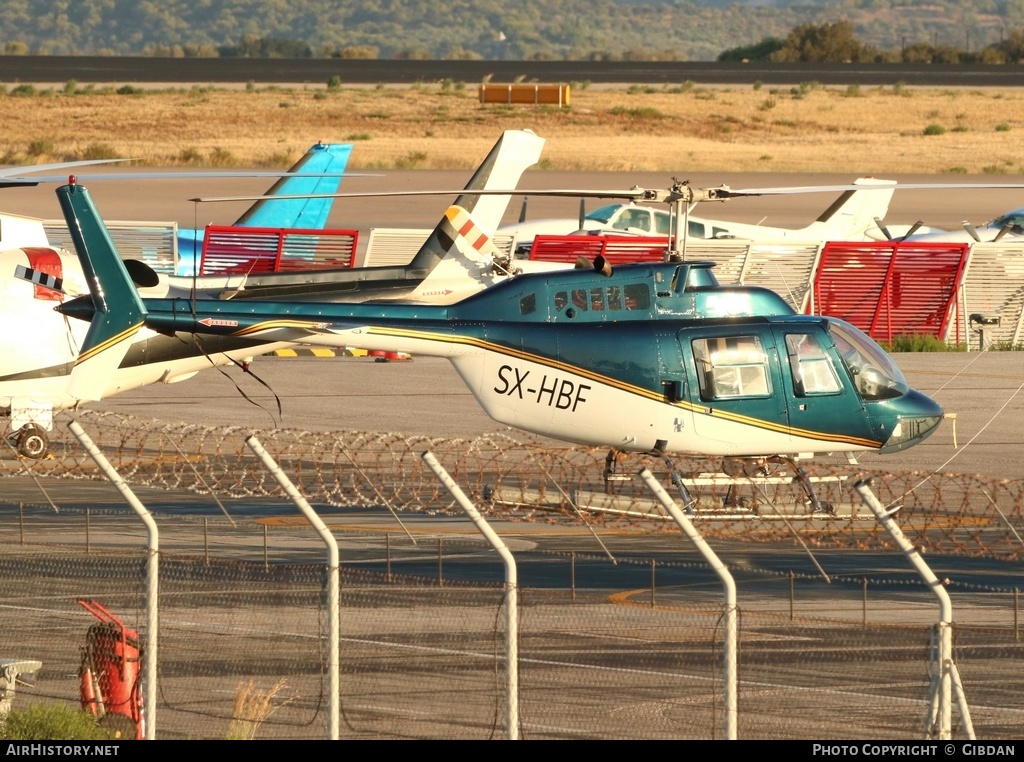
521,478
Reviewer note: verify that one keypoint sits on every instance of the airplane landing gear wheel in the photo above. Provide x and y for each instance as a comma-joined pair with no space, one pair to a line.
32,442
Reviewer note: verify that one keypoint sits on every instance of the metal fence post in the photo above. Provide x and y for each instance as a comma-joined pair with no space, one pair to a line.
941,721
730,670
152,574
333,582
511,592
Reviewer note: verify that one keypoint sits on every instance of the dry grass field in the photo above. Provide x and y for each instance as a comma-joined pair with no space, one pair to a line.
810,128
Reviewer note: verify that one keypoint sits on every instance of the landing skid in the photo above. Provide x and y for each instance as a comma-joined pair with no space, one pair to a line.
746,484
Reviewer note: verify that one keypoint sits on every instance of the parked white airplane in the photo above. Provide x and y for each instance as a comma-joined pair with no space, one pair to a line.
39,347
846,219
1006,227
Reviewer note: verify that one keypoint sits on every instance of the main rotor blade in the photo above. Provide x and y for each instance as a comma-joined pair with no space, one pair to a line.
23,181
33,168
677,193
636,194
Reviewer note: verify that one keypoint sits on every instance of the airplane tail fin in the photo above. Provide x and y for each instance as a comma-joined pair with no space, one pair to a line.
471,259
852,214
309,213
302,213
113,305
515,151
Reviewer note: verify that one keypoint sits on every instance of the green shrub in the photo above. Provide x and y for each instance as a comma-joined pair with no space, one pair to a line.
934,129
190,155
412,160
41,147
52,722
644,112
221,157
1002,127
100,152
920,343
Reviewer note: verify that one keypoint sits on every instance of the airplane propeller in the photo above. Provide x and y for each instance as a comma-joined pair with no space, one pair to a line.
880,224
1002,231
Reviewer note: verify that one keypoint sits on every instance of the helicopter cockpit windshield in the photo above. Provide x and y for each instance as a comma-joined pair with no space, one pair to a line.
874,373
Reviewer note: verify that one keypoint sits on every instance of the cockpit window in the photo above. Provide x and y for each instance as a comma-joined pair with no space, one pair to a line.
810,366
731,367
638,296
601,299
633,218
1013,220
603,213
874,373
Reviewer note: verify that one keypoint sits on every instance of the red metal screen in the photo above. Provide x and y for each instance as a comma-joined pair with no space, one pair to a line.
229,249
890,289
616,250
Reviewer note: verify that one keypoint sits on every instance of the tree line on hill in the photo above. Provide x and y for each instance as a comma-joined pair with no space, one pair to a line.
838,43
627,30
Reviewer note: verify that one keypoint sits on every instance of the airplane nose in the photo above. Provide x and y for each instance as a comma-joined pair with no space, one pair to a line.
915,417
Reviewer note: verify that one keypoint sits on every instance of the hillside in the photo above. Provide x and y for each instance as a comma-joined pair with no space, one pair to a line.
489,29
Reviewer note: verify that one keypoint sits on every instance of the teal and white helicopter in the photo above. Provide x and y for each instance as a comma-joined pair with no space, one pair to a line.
653,357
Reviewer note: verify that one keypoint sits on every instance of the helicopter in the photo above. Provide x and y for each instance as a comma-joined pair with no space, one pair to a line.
654,357
38,351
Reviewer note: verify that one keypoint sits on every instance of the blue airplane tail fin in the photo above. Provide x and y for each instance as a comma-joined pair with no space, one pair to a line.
309,213
113,306
302,213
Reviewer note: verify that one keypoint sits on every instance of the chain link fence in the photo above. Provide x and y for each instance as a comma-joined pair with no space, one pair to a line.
624,642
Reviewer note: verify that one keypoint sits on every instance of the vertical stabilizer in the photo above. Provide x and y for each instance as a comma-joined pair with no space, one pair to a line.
309,213
515,151
302,213
852,214
117,310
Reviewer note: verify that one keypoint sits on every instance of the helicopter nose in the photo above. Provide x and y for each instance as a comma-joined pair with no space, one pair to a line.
915,416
